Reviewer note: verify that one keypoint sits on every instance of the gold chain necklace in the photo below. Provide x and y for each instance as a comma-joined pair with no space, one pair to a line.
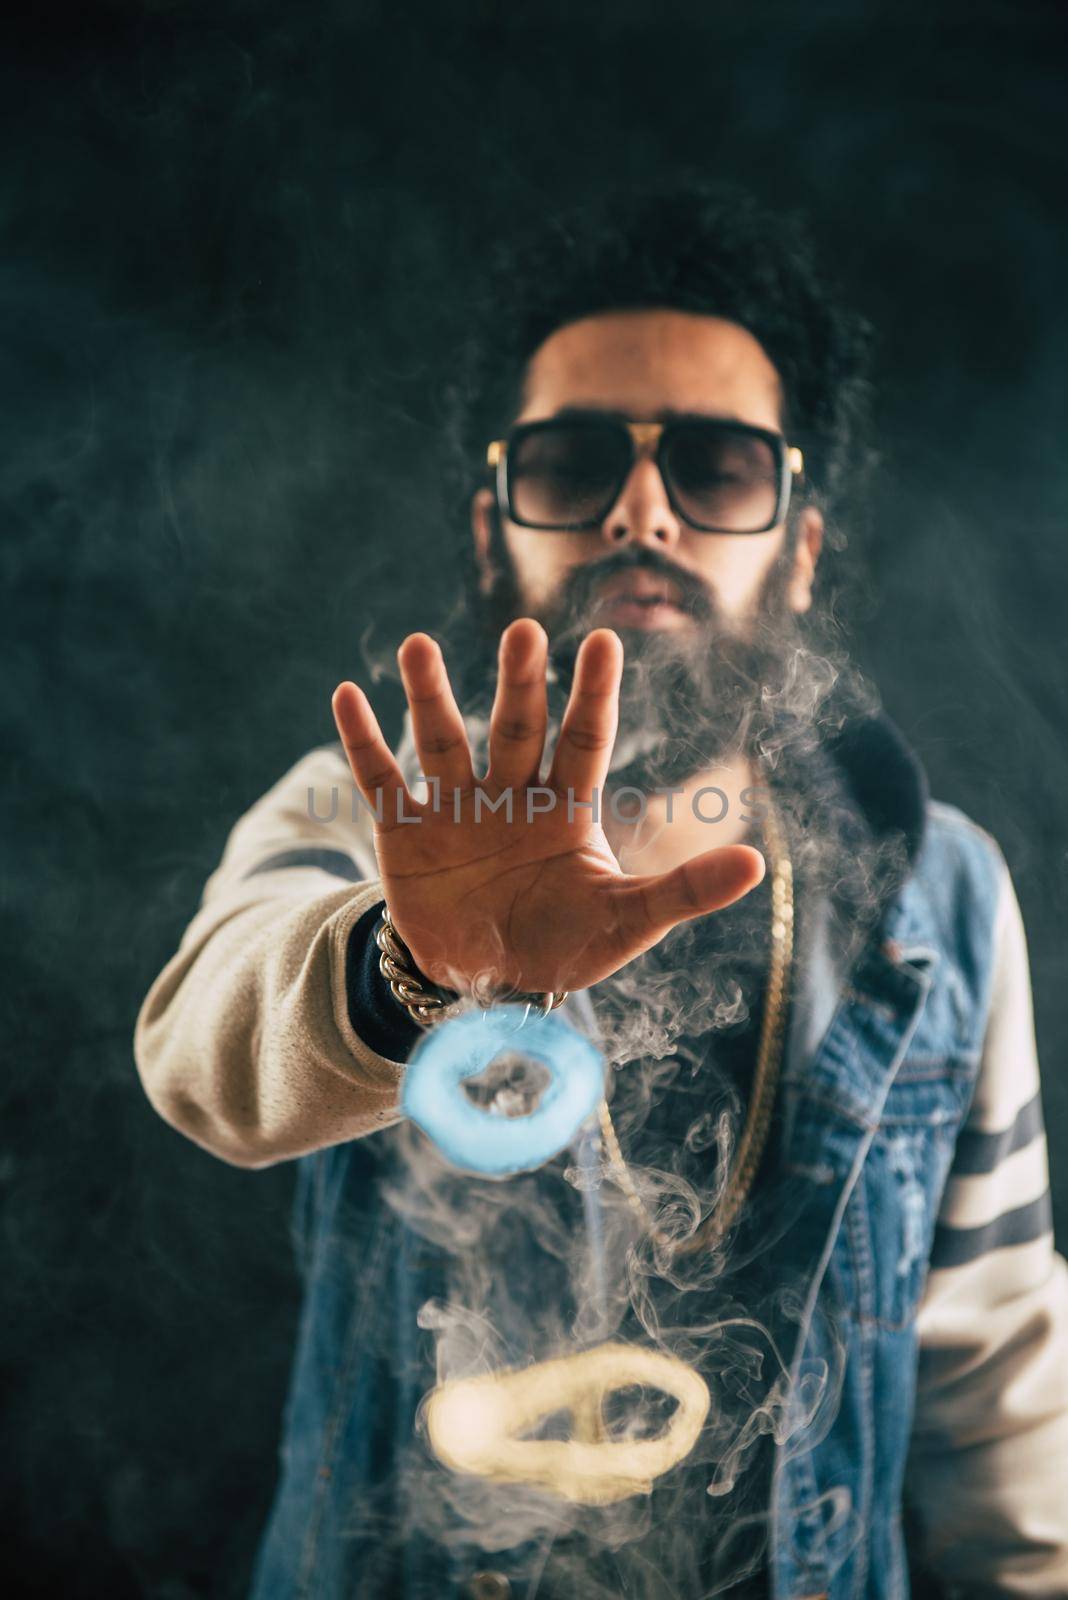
754,1136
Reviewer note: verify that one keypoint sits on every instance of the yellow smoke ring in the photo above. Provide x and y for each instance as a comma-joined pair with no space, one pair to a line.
473,1423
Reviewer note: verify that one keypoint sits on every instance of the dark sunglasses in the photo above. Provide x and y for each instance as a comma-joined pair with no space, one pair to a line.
566,474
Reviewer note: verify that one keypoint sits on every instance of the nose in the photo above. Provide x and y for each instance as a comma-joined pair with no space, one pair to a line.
642,514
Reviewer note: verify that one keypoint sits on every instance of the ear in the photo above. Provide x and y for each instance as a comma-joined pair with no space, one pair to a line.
483,505
806,555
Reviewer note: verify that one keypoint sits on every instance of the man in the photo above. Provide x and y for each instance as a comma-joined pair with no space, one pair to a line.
819,1177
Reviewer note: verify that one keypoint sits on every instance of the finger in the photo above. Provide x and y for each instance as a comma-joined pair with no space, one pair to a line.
438,727
588,732
707,883
520,714
371,761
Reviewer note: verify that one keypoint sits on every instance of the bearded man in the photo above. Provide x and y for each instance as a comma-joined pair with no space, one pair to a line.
820,1169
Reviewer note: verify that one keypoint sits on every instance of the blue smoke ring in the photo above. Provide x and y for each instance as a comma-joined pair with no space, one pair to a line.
483,1141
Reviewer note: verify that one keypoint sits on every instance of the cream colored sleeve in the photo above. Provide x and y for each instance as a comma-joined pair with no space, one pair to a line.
988,1472
243,1042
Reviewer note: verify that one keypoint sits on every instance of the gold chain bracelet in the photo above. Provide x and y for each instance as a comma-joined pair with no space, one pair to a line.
425,1002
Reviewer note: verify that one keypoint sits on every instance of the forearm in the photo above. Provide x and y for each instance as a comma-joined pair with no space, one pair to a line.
249,1041
245,1043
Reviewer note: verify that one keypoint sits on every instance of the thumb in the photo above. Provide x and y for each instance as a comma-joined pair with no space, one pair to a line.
707,883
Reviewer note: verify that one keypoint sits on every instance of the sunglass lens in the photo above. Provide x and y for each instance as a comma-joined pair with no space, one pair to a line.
567,475
721,478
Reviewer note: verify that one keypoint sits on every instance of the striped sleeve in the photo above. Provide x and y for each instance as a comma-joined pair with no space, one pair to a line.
988,1470
246,1041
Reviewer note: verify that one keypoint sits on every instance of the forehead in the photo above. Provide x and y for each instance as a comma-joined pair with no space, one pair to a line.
643,362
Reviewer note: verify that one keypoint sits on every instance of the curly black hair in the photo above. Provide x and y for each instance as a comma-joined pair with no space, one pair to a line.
692,245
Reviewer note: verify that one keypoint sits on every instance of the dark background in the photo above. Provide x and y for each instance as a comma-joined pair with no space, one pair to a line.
237,243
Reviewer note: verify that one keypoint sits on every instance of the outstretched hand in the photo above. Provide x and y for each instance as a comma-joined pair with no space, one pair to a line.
528,896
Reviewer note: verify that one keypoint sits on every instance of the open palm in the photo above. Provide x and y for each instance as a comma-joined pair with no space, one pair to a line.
492,903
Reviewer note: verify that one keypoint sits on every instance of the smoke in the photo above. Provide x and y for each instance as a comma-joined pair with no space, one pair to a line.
556,1262
520,1286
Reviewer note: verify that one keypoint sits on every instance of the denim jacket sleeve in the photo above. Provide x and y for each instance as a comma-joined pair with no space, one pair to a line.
988,1469
244,1042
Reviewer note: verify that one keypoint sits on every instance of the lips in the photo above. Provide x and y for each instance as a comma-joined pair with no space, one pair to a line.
646,606
639,588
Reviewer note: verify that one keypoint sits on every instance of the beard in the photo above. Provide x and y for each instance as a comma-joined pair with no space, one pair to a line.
690,698
771,689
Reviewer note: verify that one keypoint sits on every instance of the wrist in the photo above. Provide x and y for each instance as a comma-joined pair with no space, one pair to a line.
373,1013
427,1002
424,1001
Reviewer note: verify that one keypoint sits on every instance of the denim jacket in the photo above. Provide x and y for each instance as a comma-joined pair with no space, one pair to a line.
913,1146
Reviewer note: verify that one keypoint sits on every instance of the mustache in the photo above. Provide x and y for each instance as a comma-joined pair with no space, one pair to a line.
578,591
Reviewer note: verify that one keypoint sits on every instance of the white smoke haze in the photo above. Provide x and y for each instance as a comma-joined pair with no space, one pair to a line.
522,1286
533,1272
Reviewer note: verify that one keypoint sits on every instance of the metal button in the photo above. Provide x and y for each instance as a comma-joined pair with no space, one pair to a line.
489,1586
